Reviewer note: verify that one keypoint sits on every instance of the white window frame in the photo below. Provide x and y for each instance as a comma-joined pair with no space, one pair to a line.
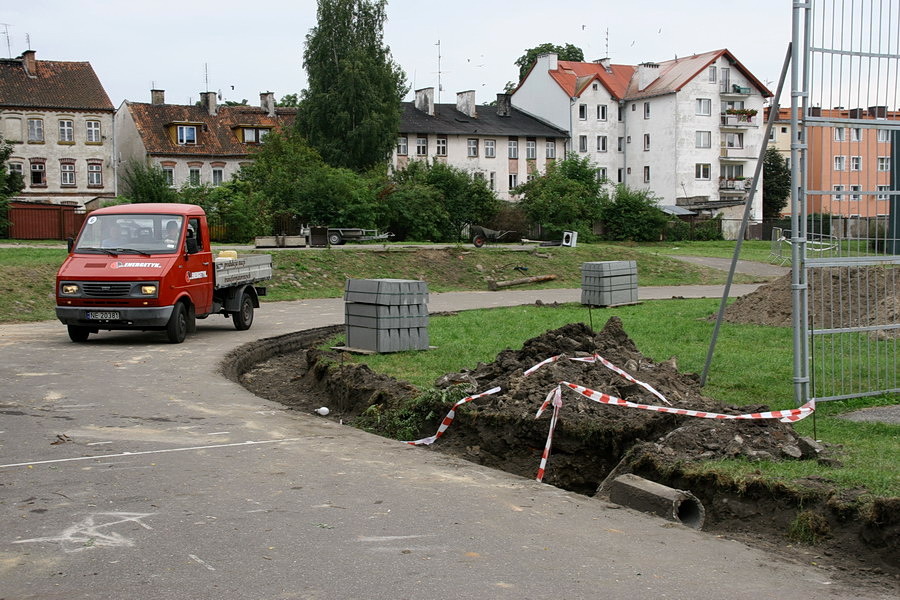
92,132
35,130
440,148
620,145
66,131
702,171
492,180
602,143
601,112
169,174
472,147
840,134
855,197
646,142
194,176
95,174
856,163
712,73
856,134
582,112
421,146
67,174
734,140
530,150
881,189
884,163
646,173
186,135
490,148
840,163
551,150
838,197
218,176
402,146
703,106
38,167
884,135
582,143
601,174
513,181
646,110
703,139
513,148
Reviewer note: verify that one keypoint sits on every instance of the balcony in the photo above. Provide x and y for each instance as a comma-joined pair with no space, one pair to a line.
733,187
734,90
739,120
737,154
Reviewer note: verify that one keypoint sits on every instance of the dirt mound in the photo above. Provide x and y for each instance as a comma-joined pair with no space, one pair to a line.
845,297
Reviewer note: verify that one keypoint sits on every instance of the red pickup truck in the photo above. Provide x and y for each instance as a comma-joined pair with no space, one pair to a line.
149,267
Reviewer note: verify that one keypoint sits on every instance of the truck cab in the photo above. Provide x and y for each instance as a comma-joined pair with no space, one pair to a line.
147,267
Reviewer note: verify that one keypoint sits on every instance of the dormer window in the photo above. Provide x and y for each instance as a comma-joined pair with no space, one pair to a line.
187,135
255,135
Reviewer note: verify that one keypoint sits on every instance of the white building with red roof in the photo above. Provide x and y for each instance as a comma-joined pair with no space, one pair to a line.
689,129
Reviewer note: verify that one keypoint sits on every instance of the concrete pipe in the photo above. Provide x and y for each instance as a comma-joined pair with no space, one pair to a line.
650,497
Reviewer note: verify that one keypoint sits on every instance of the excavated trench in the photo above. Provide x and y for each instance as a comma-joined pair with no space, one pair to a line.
592,440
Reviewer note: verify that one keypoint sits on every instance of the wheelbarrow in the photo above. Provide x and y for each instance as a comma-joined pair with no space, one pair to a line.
482,235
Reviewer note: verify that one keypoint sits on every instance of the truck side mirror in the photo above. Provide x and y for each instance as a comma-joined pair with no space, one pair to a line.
70,243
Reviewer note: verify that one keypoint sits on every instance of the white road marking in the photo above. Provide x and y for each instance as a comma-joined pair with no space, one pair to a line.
87,533
201,561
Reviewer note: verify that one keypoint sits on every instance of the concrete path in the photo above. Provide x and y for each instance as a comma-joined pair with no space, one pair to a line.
129,468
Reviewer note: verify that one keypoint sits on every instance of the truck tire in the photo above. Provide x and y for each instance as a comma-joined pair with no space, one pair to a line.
177,327
478,241
243,318
335,239
78,333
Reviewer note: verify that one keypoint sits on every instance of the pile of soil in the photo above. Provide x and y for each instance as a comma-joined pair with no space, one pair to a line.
593,441
840,297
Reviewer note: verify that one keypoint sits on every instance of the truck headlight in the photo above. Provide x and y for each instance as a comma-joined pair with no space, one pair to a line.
70,289
148,290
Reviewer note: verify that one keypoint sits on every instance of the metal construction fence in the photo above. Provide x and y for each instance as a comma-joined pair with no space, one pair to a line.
843,238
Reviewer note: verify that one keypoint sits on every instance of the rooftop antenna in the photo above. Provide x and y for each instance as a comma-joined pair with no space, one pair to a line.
607,42
440,87
28,40
206,77
6,33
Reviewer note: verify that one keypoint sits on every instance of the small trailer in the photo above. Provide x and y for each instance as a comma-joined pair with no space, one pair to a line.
337,236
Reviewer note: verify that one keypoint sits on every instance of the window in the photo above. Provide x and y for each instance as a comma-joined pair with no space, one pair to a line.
529,177
733,171
601,112
855,134
217,176
857,196
621,113
646,141
95,174
255,135
492,181
704,106
582,111
646,110
703,139
421,146
441,148
36,130
840,134
513,148
513,181
647,174
734,140
93,132
490,148
701,171
67,173
856,163
471,147
601,174
620,144
551,149
38,174
17,168
187,134
194,176
884,135
601,143
840,163
838,188
402,146
882,192
712,73
582,143
884,163
620,175
169,173
530,149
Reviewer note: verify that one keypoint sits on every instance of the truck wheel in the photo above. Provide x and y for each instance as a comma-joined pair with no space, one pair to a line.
335,239
78,334
243,318
478,241
178,324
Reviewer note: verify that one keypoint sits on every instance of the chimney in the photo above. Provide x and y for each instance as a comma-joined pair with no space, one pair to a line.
605,63
465,103
549,61
157,96
208,101
878,112
425,100
504,105
856,113
267,103
29,62
815,111
647,74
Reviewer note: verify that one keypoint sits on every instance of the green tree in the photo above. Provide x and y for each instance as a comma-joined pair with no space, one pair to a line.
565,198
350,112
632,215
10,184
567,52
776,184
142,182
289,101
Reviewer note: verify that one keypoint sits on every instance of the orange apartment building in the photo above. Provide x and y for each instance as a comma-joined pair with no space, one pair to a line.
848,159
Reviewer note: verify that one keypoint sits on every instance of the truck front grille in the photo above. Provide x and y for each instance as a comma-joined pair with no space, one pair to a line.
107,289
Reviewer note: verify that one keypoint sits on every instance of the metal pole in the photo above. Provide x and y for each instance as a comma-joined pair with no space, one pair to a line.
773,115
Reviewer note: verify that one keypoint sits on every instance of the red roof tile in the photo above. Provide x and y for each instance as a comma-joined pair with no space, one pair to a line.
675,74
55,85
574,77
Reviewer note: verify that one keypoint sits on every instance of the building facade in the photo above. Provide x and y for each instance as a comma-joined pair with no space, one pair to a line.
204,144
59,121
503,145
689,130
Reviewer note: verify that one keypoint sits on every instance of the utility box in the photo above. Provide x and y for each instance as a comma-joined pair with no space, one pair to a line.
570,239
386,315
609,283
318,237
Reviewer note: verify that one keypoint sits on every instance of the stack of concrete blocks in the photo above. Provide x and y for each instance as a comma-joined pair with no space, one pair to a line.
386,315
609,283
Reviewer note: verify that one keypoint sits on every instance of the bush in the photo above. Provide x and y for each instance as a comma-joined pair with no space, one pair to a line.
632,215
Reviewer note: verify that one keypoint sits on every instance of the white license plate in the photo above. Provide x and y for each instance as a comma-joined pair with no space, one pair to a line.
103,316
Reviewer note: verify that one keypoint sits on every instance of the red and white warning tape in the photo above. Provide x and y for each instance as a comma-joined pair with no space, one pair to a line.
619,371
449,419
555,396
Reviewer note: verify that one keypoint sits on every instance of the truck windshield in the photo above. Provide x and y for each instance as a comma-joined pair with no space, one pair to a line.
137,233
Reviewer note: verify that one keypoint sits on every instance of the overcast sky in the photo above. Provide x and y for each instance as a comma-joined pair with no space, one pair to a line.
243,48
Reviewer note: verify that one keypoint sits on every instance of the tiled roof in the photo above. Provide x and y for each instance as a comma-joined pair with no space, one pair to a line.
675,74
574,77
217,138
56,85
447,120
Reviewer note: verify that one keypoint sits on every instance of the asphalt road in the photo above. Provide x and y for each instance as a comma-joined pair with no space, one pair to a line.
129,468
